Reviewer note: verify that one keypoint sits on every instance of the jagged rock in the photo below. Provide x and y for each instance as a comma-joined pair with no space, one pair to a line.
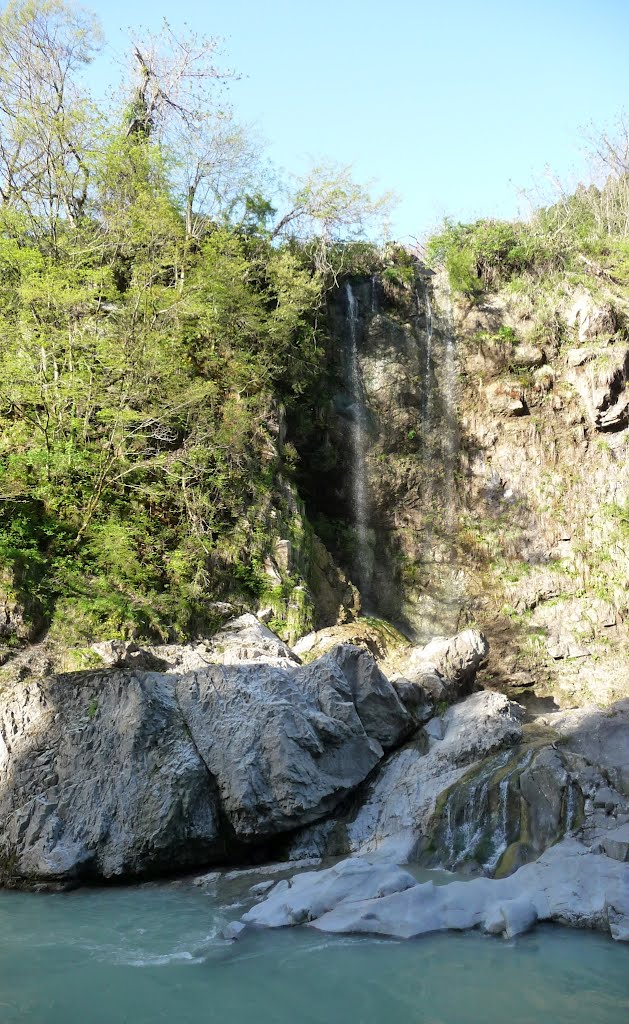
241,640
393,816
600,381
99,778
286,747
568,884
435,728
120,773
415,698
127,654
589,318
600,736
284,555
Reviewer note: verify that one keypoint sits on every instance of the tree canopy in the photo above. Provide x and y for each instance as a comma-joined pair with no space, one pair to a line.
158,306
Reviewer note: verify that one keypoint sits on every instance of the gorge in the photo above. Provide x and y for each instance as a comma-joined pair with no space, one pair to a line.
314,672
147,764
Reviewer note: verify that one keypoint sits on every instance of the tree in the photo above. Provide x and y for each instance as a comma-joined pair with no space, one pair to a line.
327,206
46,120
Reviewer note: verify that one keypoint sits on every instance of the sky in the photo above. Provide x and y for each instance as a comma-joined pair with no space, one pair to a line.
457,106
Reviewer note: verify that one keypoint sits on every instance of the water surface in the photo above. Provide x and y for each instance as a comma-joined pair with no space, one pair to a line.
154,954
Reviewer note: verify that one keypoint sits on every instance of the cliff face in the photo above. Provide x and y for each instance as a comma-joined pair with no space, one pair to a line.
380,481
470,467
456,464
544,485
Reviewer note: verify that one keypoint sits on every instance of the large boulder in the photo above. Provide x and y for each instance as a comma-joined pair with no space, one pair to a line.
285,748
392,817
122,773
99,778
446,667
244,639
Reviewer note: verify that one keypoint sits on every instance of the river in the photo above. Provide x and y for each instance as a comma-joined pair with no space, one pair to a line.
153,953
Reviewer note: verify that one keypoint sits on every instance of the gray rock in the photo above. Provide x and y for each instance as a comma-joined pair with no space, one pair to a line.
379,708
120,773
286,747
616,843
510,917
600,382
261,888
99,778
446,667
241,640
393,817
233,930
307,896
600,736
127,654
435,728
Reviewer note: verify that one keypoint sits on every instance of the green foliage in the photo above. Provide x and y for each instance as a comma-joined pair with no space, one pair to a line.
490,252
154,323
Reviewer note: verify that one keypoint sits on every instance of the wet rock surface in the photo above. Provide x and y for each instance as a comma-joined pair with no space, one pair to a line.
569,884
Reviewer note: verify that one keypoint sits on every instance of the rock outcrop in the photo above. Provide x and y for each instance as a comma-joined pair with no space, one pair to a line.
99,778
446,667
124,773
393,816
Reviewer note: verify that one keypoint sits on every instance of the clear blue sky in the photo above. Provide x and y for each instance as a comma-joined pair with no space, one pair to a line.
453,104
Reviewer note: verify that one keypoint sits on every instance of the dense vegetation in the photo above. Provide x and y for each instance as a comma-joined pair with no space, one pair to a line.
157,311
584,230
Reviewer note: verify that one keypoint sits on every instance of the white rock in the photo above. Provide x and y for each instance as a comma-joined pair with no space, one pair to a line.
568,884
261,888
310,895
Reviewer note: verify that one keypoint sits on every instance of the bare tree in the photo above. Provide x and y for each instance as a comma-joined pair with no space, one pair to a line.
46,121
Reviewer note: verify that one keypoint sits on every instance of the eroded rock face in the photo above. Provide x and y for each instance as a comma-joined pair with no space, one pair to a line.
285,748
119,774
599,377
393,817
99,778
446,667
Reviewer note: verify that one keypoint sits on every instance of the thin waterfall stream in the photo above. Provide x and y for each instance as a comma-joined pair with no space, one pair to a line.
359,443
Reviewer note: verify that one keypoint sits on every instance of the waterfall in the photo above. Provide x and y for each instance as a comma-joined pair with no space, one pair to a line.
450,433
427,383
374,294
359,444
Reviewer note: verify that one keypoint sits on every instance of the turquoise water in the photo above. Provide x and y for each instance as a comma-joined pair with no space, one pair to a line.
153,954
